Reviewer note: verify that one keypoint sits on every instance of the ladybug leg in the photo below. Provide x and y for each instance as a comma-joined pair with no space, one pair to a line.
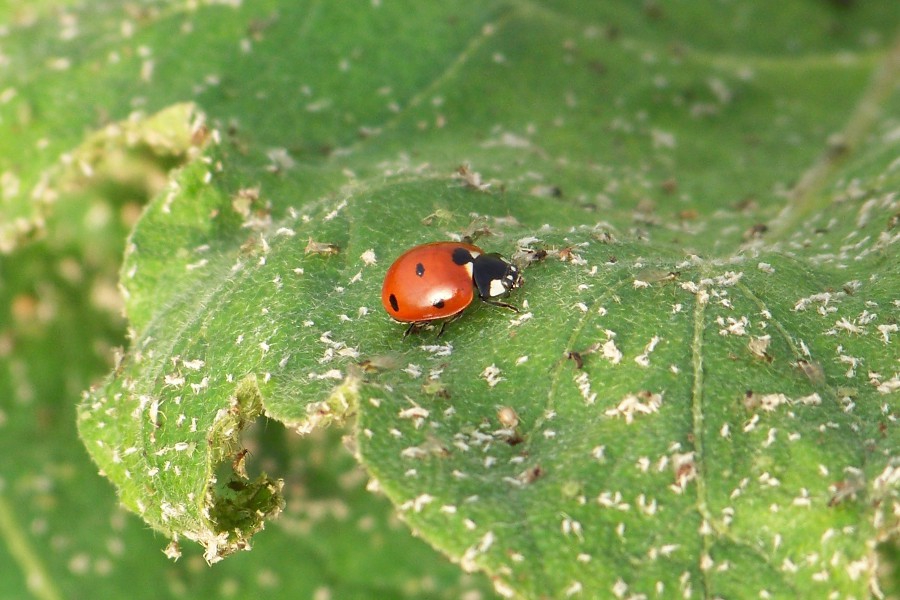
414,326
447,322
500,304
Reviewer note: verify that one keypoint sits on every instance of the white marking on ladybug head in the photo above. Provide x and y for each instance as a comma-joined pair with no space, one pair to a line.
497,287
513,277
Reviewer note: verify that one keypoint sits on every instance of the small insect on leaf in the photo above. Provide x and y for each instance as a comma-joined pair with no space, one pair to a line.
437,281
313,247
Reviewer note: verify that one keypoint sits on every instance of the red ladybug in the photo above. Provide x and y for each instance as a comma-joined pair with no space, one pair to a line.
439,280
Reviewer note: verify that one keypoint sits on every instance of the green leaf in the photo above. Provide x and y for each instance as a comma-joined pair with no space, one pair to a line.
699,393
62,534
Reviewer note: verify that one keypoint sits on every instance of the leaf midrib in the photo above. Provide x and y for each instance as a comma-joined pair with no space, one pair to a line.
806,196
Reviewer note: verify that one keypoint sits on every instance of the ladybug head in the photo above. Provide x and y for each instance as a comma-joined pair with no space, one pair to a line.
512,278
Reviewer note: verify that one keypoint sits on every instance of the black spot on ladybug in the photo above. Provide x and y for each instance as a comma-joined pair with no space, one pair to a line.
420,269
393,301
439,304
461,256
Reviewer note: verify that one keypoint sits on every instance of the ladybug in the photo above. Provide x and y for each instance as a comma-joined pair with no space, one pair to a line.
439,280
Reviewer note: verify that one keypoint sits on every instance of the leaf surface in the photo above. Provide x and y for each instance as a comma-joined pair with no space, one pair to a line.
699,392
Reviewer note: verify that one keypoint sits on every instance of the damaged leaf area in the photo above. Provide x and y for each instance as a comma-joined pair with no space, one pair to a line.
697,394
209,504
